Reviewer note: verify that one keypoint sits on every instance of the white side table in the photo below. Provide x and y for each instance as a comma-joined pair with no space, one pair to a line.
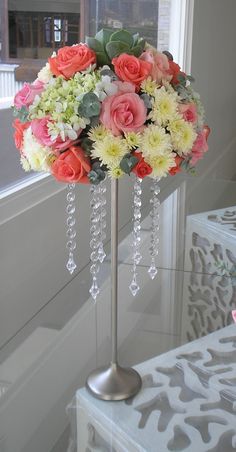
209,286
187,403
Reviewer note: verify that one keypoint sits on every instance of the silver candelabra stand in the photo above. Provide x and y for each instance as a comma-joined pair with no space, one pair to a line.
114,382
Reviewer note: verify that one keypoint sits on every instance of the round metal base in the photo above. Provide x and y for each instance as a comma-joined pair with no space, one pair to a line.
114,383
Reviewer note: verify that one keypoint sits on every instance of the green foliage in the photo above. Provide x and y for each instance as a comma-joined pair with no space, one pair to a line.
87,145
90,106
108,44
128,162
115,48
22,114
97,174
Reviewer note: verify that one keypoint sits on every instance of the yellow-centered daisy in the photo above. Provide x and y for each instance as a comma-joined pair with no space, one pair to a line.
110,151
155,140
161,164
183,135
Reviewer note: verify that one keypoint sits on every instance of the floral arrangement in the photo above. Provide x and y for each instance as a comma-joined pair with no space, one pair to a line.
112,105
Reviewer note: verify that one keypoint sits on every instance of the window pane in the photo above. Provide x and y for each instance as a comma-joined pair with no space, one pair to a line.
30,30
148,17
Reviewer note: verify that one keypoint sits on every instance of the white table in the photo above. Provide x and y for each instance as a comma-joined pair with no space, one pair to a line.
187,403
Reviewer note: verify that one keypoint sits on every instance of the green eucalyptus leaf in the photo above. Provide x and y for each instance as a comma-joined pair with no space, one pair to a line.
115,48
147,100
123,36
190,78
93,177
127,163
103,36
22,114
90,106
96,175
94,44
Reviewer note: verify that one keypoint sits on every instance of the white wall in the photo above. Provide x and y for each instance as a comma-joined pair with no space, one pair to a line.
214,67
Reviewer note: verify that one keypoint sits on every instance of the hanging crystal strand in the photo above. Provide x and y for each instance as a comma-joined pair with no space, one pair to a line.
134,287
101,252
71,231
97,230
155,204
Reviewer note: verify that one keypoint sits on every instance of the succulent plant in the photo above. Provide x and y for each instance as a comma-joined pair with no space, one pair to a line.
109,44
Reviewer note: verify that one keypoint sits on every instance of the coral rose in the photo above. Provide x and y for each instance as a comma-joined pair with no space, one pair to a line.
142,168
25,97
19,132
131,69
177,168
174,71
189,112
160,64
123,112
72,166
70,60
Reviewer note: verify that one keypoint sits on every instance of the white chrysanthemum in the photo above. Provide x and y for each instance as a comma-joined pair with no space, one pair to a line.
164,106
133,139
149,86
25,164
116,173
98,133
183,135
110,151
155,140
161,163
36,154
45,74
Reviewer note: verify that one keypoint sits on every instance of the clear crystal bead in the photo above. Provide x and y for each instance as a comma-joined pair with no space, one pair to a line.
97,230
134,287
71,231
136,257
71,265
94,289
154,214
101,254
152,271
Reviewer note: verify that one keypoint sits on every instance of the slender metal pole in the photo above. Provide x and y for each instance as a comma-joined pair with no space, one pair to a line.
114,267
114,382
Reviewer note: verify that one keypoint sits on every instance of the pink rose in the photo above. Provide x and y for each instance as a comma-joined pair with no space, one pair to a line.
40,130
72,166
123,112
234,315
189,112
26,95
200,146
160,64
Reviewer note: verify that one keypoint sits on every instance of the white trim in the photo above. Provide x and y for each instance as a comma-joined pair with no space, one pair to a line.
6,103
181,30
25,195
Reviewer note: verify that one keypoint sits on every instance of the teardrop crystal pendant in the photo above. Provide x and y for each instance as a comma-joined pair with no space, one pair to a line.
154,214
136,257
98,235
71,230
